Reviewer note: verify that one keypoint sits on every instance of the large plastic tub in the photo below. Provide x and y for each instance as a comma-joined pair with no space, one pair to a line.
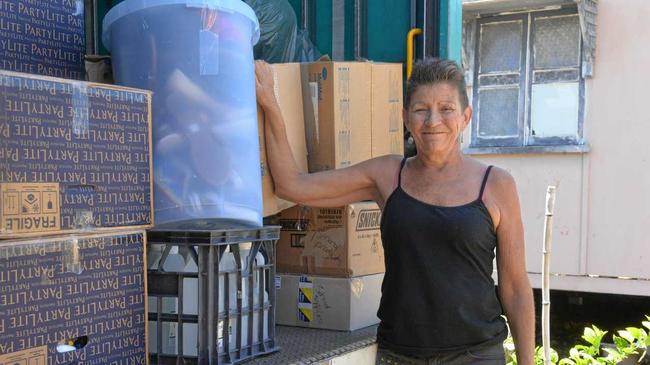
197,58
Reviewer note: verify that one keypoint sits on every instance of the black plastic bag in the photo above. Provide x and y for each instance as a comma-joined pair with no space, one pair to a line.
306,51
278,30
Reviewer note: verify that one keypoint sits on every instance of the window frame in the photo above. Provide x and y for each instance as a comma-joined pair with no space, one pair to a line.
524,122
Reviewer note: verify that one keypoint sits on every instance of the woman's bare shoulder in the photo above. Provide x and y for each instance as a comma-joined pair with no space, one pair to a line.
499,177
501,191
385,164
500,194
385,170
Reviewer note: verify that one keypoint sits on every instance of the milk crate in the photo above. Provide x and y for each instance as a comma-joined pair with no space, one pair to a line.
211,295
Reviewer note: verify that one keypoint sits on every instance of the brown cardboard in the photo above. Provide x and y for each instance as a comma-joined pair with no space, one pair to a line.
39,200
74,156
288,92
341,242
36,355
344,304
337,120
386,106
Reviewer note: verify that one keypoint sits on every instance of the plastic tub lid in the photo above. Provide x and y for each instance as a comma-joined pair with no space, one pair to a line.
130,6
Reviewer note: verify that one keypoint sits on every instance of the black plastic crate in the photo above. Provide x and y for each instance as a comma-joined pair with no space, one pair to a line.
223,296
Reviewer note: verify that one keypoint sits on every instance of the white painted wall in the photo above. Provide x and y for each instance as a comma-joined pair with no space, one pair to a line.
618,127
602,213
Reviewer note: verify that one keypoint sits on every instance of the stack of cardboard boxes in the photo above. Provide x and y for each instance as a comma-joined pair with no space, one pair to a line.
331,259
76,194
75,197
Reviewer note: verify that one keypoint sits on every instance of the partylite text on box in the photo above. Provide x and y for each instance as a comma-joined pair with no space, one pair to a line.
72,155
44,37
47,296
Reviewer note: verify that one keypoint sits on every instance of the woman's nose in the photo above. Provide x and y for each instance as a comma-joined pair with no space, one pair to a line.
432,117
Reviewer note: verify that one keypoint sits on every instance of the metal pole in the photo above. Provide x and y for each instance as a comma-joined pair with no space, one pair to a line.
360,29
414,14
304,11
95,29
434,28
546,258
425,28
357,29
338,30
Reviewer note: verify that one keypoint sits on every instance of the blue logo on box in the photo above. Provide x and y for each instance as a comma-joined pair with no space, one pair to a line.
324,73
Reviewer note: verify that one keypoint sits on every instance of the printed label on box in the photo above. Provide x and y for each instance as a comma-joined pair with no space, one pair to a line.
369,219
29,207
35,356
313,92
305,299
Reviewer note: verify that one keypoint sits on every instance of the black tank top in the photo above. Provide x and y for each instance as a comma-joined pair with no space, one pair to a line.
438,294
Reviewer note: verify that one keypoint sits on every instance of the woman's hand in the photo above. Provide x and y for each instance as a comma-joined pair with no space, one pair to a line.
265,88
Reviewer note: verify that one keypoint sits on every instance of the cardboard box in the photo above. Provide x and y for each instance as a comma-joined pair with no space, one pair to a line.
337,113
288,92
328,303
73,156
387,125
43,37
342,242
55,289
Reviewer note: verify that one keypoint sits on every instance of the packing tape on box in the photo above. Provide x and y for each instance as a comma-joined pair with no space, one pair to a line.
79,8
302,223
71,260
83,218
80,108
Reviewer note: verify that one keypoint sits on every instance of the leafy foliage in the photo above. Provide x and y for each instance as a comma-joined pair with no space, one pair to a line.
628,342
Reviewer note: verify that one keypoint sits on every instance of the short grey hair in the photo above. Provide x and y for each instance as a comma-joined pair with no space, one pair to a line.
431,71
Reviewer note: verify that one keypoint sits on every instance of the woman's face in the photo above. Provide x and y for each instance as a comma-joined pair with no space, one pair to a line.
436,118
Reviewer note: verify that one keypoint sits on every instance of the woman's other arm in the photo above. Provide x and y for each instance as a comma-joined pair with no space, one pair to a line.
514,288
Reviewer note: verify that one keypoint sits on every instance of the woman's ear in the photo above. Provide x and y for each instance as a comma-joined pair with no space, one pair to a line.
405,118
467,116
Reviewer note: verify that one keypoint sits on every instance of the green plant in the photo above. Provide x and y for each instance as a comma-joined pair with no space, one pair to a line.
511,357
627,342
509,349
632,341
590,353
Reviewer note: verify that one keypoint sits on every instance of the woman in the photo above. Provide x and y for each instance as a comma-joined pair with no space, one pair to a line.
443,215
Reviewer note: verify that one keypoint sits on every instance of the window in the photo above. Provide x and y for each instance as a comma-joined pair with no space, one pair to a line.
528,87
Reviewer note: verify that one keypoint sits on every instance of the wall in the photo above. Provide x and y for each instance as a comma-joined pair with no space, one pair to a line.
618,129
603,198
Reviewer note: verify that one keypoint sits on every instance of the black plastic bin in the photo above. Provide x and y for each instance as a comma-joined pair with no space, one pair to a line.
244,327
